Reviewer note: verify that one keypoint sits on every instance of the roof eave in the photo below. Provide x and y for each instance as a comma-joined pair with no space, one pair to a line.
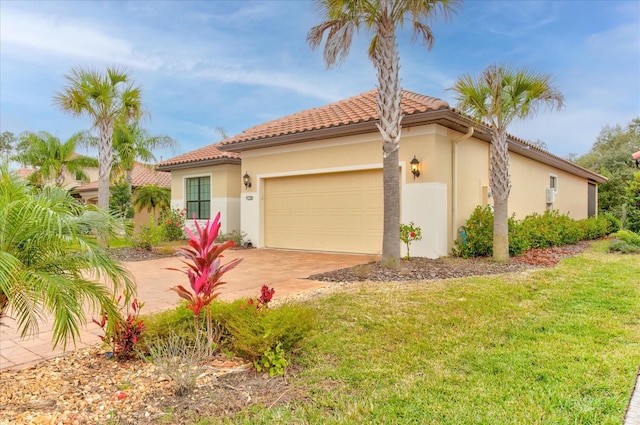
443,116
199,163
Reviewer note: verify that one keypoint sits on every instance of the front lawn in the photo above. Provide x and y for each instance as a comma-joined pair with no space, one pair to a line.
547,346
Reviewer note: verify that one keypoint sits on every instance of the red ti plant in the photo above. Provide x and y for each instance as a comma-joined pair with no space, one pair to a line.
266,294
204,269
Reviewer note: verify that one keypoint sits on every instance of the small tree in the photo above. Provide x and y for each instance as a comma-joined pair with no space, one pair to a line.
204,270
151,196
409,233
120,200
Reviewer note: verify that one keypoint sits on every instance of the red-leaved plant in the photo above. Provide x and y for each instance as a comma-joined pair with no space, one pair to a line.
126,333
205,270
266,294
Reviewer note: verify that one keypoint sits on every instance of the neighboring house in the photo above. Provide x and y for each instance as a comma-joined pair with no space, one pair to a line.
316,177
70,180
141,175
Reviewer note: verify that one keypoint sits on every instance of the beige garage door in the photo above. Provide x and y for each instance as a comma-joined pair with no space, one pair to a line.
340,212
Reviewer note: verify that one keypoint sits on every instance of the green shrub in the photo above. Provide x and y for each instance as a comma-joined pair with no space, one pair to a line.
626,242
479,235
147,237
236,236
614,222
594,227
177,322
255,332
518,242
171,223
535,231
629,237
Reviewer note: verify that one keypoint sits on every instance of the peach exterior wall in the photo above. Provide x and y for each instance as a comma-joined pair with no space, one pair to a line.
432,145
225,187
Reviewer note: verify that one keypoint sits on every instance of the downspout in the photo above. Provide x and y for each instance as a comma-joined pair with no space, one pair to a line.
454,180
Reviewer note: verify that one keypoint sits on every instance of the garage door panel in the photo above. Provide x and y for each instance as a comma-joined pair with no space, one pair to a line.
326,212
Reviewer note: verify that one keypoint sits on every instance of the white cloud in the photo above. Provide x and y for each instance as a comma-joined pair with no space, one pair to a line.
79,40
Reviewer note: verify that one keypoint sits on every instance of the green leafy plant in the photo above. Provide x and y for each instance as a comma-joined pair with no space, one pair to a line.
237,236
273,360
147,237
171,223
626,242
535,231
120,200
50,264
409,233
479,231
124,336
204,270
252,332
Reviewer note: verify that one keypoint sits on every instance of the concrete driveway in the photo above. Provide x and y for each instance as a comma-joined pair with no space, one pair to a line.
285,271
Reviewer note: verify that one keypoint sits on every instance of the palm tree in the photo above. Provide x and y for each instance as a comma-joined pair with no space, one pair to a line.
151,196
51,264
381,18
499,95
133,143
107,99
52,158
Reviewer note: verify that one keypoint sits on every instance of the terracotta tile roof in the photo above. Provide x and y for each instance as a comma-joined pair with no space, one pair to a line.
356,109
141,175
24,173
207,153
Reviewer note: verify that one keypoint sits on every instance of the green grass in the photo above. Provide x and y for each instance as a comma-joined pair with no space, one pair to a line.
553,346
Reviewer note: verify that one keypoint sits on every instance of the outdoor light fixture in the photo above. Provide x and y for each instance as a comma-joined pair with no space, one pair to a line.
247,180
415,167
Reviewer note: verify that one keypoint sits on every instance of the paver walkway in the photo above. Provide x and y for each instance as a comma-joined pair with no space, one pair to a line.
283,270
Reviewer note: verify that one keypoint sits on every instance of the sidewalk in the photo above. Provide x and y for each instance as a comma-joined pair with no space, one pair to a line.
283,270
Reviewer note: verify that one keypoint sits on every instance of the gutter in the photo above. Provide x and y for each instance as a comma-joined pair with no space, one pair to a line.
454,179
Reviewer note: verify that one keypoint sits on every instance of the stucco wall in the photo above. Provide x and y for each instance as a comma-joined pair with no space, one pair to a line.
529,180
225,192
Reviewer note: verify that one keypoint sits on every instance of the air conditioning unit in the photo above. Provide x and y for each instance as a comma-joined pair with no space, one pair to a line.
551,195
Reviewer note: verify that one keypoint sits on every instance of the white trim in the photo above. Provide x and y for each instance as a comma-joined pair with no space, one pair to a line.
184,191
557,181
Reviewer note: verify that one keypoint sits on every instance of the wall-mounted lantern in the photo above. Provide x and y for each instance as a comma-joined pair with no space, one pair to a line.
246,179
415,167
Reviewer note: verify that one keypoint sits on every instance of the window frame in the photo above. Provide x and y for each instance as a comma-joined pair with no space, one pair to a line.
200,201
553,182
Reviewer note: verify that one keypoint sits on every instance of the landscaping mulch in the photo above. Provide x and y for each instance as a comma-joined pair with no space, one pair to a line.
450,267
88,387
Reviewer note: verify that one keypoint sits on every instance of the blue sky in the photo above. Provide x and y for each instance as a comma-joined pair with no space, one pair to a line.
236,64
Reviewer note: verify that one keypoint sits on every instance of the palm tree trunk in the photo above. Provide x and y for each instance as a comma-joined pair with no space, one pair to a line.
105,158
387,61
500,188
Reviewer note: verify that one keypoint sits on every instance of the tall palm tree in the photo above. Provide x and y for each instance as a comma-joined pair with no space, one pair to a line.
50,263
151,196
381,18
107,99
499,95
52,158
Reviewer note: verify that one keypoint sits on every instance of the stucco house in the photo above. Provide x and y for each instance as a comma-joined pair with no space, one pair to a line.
313,180
141,175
